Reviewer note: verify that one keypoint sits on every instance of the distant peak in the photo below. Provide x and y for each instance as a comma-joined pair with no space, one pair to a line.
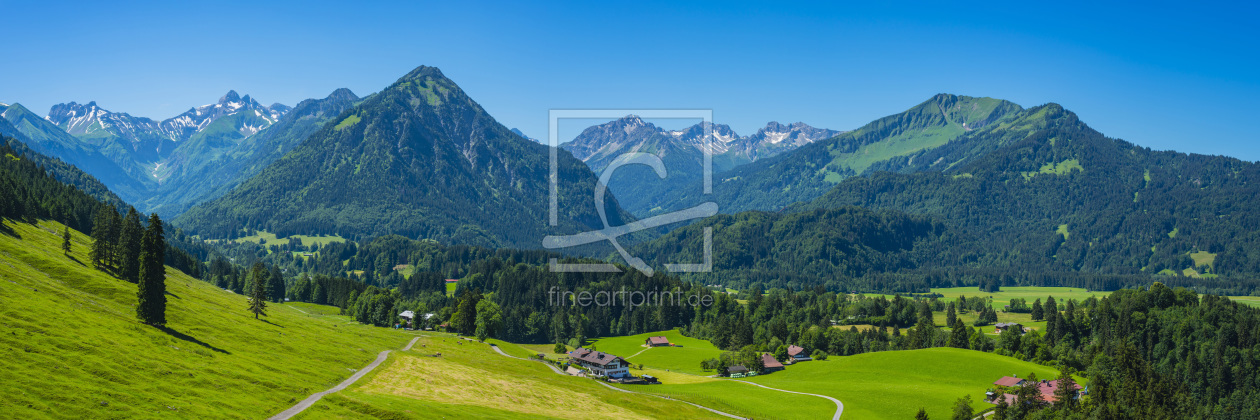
343,93
631,120
422,72
231,96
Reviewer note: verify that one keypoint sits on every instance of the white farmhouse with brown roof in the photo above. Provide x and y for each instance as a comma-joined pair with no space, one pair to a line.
600,364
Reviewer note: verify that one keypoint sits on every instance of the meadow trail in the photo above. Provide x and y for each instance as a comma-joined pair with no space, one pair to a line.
311,400
557,370
839,405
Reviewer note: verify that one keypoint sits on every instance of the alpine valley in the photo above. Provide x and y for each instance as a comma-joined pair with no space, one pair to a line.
856,273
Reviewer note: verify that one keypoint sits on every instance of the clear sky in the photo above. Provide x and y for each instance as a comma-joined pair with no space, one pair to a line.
1166,76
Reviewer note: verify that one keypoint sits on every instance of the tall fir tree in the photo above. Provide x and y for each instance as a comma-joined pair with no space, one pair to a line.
113,231
129,246
258,290
151,293
100,239
275,285
66,245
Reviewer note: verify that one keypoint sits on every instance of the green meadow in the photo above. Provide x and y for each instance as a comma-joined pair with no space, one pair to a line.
895,384
72,346
470,380
684,357
271,239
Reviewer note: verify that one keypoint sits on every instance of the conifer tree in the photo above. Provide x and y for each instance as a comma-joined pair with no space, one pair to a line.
275,285
113,226
100,239
65,240
1037,313
129,247
151,293
258,290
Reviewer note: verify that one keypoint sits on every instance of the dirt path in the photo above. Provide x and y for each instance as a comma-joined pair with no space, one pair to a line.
558,371
839,405
309,401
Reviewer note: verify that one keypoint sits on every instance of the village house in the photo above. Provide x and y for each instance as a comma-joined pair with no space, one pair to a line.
1003,326
771,365
797,354
736,371
1044,387
657,341
599,363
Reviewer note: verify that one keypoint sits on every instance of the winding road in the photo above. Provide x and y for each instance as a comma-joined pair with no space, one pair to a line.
309,401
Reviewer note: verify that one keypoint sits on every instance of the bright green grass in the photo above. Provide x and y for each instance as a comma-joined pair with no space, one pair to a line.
1063,230
450,288
684,358
899,145
306,240
349,121
895,384
470,380
72,347
739,398
1030,294
1203,258
1247,300
1061,168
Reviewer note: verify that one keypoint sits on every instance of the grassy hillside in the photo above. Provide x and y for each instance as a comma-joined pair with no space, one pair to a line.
685,357
470,380
72,346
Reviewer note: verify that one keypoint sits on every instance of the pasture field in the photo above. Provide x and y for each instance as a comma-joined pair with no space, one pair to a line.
1246,300
73,348
273,240
470,380
895,384
734,397
685,357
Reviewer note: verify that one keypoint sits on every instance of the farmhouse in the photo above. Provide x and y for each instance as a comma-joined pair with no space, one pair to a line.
1008,381
1044,387
737,370
601,364
1003,326
797,354
657,341
770,363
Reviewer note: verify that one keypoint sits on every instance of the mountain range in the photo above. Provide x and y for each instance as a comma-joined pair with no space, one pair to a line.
420,159
955,184
642,192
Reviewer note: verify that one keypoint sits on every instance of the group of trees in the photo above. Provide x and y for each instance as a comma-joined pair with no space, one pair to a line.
135,252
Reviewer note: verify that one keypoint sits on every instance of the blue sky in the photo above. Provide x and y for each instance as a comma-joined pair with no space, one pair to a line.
1160,75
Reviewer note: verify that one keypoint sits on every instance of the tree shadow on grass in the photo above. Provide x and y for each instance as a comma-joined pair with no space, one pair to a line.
272,323
191,339
6,230
72,258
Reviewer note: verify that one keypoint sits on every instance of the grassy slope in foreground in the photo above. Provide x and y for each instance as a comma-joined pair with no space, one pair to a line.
72,347
470,380
895,384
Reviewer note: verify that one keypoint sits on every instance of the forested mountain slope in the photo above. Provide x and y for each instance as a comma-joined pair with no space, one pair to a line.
1065,196
419,159
809,171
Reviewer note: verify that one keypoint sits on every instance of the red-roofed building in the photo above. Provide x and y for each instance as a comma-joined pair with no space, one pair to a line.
770,363
657,341
1009,381
1048,388
797,353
